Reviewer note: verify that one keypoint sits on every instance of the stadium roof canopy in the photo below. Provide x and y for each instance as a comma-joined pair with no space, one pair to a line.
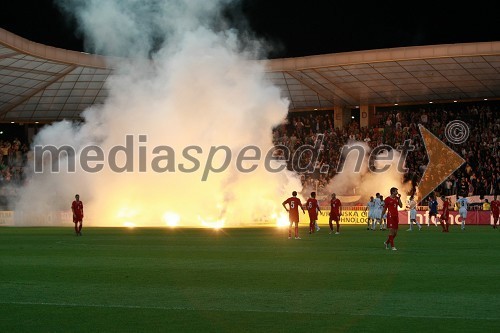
42,83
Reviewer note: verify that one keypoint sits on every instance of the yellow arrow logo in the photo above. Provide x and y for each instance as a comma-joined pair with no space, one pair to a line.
443,161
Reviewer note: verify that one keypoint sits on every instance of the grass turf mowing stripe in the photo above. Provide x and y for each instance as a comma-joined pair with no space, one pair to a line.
250,275
316,312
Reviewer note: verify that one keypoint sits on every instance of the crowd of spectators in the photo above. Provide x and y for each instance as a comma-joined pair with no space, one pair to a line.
13,157
479,175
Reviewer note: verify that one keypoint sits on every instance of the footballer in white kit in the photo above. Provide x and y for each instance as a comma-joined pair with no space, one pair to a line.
462,210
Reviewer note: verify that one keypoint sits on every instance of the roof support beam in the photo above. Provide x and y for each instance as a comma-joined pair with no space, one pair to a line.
24,98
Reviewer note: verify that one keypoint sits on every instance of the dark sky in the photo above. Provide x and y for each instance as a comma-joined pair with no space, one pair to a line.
301,28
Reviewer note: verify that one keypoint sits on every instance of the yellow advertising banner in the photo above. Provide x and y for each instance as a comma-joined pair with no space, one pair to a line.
349,216
6,218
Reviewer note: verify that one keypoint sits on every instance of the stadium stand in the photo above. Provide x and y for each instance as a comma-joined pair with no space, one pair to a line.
480,175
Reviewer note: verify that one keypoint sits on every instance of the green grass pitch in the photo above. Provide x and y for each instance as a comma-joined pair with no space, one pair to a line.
248,280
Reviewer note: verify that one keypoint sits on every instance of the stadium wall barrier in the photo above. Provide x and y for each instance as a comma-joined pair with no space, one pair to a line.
360,216
6,218
12,218
351,215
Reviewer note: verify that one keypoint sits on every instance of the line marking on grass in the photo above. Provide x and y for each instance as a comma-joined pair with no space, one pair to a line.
121,306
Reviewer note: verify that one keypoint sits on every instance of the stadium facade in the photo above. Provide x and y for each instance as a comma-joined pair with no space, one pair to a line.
43,84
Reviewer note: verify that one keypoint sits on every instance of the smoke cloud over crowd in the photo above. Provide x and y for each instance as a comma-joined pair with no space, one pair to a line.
180,79
364,172
186,100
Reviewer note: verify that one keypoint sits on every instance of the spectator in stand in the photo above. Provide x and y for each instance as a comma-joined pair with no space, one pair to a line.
4,150
479,176
447,186
486,205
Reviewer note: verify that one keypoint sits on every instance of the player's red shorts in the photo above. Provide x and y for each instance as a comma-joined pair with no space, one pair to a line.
77,218
392,222
445,217
334,217
313,217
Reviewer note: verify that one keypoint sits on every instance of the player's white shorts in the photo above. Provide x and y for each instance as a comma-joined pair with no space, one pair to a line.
463,213
413,214
377,214
371,214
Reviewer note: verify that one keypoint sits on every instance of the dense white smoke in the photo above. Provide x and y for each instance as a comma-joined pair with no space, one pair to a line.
357,181
180,83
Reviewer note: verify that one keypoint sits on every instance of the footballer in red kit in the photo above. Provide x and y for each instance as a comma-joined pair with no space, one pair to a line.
77,209
495,210
312,207
335,213
391,204
293,213
445,214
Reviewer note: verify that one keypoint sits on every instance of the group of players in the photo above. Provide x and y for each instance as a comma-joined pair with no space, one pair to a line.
444,217
313,209
375,207
390,207
383,211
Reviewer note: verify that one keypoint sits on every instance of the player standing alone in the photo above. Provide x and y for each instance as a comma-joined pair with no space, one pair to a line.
313,209
293,213
433,210
335,213
370,206
445,215
77,209
495,209
382,218
462,210
412,206
391,204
